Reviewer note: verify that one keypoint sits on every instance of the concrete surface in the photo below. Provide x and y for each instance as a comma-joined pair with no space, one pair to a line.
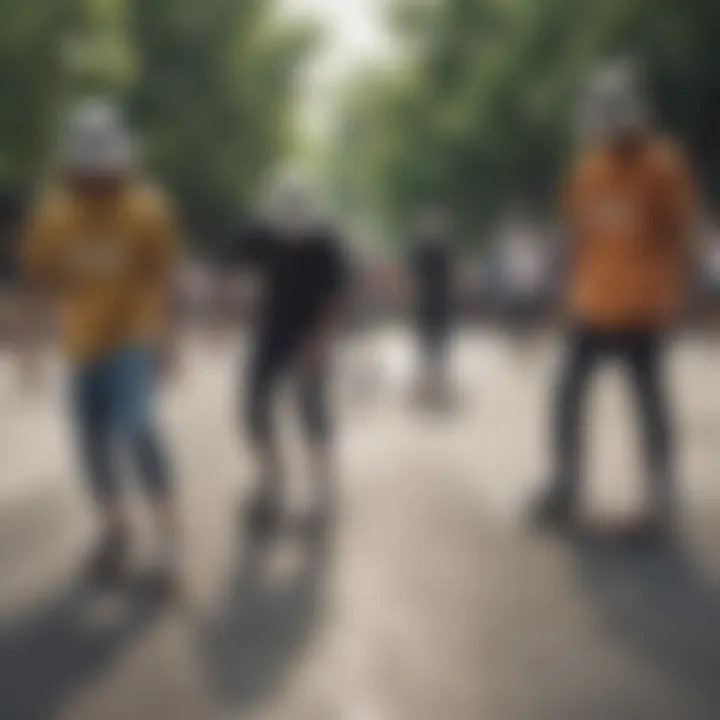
433,602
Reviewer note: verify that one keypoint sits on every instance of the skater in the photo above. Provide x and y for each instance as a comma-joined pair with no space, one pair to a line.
101,246
302,270
627,211
432,269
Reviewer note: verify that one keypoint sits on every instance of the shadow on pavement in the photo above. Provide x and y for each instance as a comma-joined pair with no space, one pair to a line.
263,629
54,652
32,525
665,610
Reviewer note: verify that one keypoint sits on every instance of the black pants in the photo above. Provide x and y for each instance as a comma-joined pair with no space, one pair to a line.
641,353
274,357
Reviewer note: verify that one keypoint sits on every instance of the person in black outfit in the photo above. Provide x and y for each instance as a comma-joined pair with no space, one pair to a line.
304,276
432,269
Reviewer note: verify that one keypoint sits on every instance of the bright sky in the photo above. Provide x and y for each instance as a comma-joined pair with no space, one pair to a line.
354,36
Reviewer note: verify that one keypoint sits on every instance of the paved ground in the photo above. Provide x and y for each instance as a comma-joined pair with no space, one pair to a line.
433,603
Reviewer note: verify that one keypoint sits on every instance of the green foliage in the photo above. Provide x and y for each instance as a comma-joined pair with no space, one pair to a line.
33,80
208,83
214,100
479,116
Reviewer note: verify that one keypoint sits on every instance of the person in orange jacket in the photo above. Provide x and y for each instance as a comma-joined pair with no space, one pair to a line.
102,246
627,210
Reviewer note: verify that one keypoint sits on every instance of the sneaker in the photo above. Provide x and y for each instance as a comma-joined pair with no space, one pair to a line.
107,563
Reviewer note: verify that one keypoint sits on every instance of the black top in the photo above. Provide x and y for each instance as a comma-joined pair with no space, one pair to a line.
300,277
432,267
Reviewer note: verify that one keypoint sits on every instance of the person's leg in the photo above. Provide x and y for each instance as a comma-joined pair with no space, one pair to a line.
584,348
133,394
264,374
91,412
313,387
643,354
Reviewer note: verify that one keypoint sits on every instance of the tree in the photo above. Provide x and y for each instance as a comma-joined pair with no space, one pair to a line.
34,80
208,83
213,99
480,114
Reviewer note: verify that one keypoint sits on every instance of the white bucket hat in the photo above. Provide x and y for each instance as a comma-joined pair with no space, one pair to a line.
95,140
614,102
293,203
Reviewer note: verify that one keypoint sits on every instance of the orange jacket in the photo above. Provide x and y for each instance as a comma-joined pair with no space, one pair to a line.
107,262
627,218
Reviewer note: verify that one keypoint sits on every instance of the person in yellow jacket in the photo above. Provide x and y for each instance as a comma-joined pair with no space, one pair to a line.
627,211
101,245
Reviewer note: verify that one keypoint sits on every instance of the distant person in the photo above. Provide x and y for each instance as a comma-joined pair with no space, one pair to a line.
627,210
432,268
302,270
102,246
